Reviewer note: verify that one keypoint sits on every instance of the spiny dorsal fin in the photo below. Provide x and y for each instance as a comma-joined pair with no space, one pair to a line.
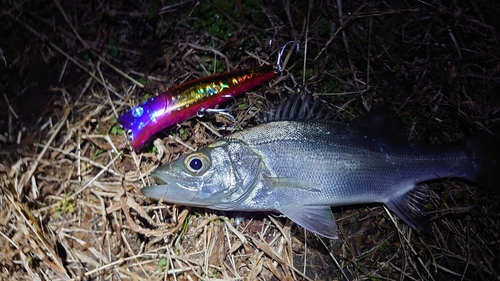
297,107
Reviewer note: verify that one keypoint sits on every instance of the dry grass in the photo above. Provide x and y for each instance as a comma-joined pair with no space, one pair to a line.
70,197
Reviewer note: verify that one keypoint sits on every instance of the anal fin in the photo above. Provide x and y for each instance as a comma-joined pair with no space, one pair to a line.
317,219
408,206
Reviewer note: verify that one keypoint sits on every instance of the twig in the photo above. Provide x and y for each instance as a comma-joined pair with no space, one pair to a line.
346,44
106,88
305,43
69,23
341,28
118,70
79,158
210,49
54,134
73,196
64,54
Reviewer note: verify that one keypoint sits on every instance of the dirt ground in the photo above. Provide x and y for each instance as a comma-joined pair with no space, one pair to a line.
70,200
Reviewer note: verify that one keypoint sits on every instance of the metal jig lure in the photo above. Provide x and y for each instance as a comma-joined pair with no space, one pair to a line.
191,98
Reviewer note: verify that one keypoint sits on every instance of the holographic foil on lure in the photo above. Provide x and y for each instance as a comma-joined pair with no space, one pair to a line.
186,100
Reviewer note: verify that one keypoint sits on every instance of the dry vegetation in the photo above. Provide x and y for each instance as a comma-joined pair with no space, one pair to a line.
70,201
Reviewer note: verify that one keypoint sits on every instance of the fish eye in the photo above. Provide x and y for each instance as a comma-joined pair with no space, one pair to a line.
197,163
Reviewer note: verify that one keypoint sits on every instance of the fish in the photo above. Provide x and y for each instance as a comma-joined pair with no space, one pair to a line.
187,100
300,162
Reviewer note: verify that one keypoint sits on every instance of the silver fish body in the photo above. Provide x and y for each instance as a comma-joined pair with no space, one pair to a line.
300,168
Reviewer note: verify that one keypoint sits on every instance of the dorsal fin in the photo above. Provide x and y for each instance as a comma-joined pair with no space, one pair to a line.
297,107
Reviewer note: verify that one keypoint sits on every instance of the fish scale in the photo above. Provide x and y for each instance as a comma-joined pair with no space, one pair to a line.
302,167
343,164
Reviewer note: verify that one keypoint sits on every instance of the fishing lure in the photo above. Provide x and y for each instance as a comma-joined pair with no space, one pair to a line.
188,99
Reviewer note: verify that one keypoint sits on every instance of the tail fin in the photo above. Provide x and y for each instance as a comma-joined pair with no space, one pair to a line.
486,154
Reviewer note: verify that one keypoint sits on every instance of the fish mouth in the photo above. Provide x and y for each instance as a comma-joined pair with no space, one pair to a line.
171,190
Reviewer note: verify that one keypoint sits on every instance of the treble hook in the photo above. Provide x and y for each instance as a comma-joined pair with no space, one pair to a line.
223,111
279,67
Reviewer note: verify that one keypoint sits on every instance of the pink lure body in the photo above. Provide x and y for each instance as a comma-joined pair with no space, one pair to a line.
186,100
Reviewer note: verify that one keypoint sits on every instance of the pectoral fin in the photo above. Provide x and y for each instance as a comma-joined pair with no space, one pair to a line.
317,219
293,183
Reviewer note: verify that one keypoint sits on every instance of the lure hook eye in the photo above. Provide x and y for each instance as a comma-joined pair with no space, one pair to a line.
197,163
